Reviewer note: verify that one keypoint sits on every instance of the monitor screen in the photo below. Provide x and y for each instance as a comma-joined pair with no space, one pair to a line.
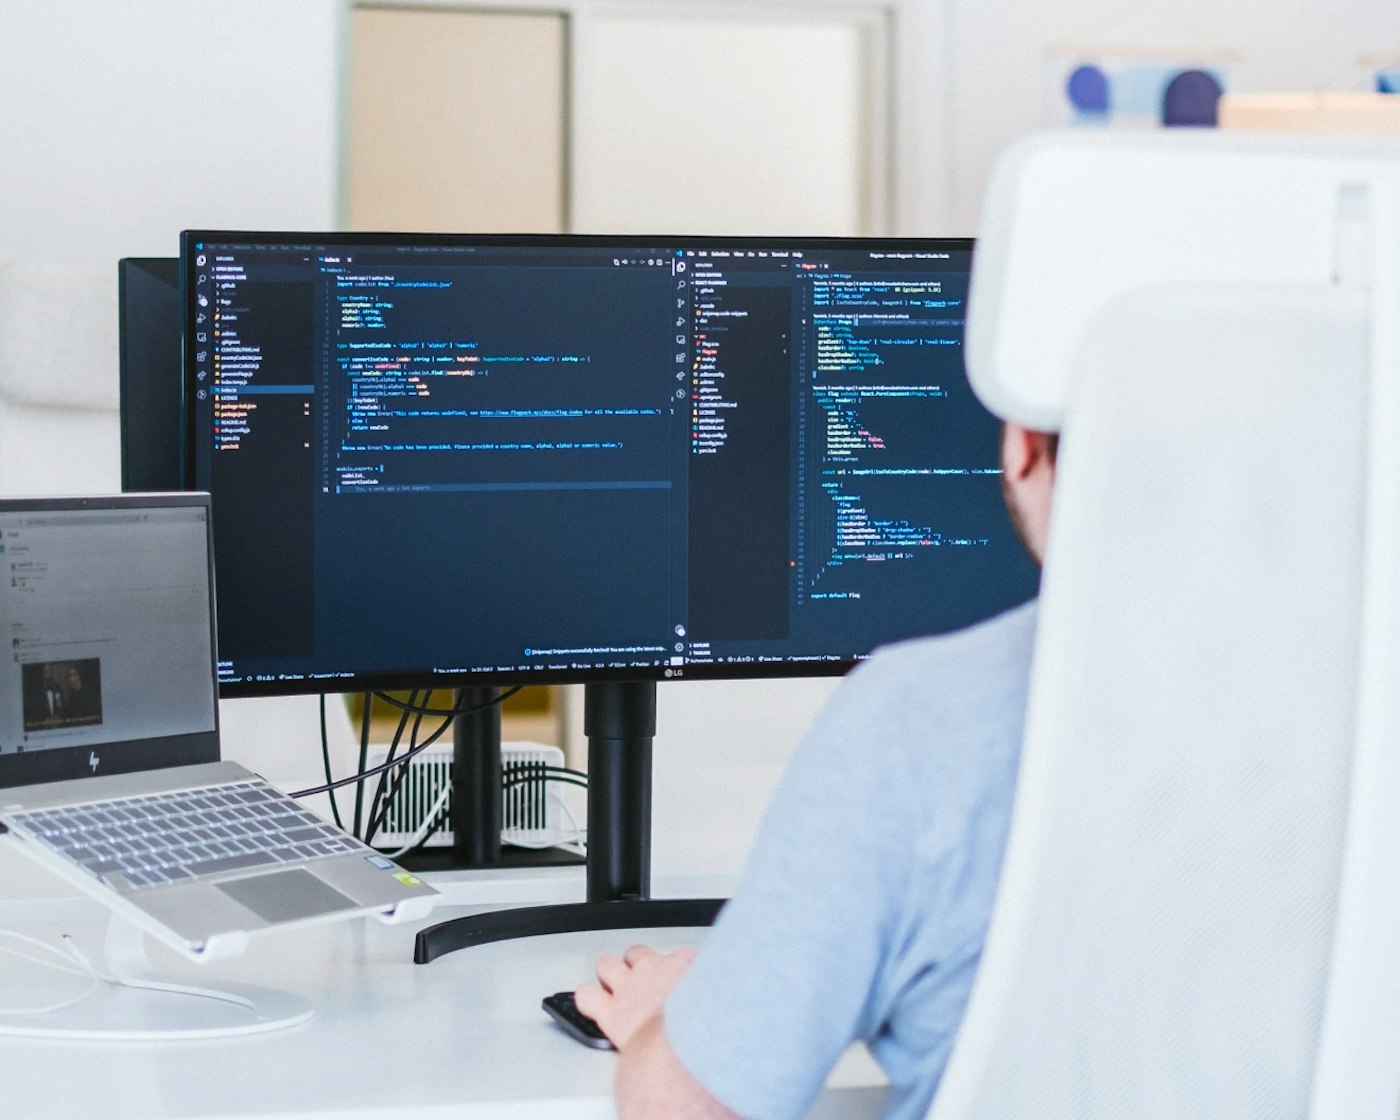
463,460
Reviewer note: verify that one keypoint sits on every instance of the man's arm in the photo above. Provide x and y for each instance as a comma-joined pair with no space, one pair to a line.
653,1085
626,1002
791,972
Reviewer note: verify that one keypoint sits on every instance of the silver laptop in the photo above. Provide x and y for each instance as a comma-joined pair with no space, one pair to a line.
109,741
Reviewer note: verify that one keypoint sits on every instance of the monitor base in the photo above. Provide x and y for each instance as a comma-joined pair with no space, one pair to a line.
574,917
620,721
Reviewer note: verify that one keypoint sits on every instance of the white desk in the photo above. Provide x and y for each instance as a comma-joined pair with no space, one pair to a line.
462,1037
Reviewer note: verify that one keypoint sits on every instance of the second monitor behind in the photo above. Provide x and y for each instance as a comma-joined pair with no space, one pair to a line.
149,319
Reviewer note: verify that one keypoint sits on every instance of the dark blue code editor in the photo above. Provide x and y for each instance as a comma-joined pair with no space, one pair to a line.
455,460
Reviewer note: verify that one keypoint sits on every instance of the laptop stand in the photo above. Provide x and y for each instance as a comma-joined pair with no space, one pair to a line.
130,1001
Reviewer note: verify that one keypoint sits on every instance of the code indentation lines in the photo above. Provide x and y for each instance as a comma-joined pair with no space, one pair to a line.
849,533
846,434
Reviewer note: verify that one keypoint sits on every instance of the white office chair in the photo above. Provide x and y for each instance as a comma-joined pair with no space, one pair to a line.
59,421
1199,912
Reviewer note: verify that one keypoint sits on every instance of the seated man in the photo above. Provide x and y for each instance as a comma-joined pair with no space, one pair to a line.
863,909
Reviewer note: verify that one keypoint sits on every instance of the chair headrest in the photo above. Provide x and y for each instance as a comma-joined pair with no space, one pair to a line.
1074,221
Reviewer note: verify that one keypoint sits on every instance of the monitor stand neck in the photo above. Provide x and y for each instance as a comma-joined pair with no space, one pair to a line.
476,779
620,722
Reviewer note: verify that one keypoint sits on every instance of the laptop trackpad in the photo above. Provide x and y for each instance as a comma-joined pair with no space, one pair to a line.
284,896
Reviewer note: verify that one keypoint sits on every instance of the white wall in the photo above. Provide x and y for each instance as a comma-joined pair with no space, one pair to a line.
98,99
101,105
999,50
122,123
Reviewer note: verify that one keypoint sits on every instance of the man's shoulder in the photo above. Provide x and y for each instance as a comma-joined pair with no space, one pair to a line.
951,668
928,704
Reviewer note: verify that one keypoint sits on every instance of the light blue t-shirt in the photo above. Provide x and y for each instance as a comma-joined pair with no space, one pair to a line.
862,912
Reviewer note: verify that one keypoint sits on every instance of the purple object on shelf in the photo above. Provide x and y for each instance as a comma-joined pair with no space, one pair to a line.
1191,100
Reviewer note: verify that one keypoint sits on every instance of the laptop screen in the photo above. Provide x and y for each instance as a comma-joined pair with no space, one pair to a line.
106,636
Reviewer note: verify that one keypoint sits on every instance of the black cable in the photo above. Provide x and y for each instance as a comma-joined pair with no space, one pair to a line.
428,835
524,779
373,770
557,774
527,769
326,758
402,775
376,823
529,772
383,782
453,711
364,758
565,770
377,820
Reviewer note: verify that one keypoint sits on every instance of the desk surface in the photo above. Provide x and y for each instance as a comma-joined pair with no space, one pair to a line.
462,1037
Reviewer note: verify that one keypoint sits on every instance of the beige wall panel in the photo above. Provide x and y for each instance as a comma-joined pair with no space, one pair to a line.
727,125
456,121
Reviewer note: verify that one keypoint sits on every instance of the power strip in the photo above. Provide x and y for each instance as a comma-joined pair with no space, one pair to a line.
532,810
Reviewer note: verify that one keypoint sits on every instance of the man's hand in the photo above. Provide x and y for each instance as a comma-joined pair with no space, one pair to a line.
631,990
626,1002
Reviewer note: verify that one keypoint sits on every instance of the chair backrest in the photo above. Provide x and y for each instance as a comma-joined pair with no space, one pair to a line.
1201,876
59,421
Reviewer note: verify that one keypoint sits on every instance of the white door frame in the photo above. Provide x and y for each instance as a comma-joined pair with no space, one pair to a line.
910,187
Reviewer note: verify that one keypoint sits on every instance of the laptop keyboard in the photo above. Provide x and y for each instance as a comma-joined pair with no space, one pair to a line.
163,838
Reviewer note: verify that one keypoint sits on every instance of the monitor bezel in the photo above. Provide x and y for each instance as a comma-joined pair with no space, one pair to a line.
426,677
133,755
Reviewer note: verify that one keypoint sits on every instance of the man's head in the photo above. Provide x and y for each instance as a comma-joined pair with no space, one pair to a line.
1028,481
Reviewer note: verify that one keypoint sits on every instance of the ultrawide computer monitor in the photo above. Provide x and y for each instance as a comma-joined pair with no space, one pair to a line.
467,460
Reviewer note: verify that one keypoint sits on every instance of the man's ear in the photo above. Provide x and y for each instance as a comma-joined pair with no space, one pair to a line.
1018,451
1024,450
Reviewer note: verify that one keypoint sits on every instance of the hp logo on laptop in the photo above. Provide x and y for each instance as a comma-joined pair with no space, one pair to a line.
93,760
